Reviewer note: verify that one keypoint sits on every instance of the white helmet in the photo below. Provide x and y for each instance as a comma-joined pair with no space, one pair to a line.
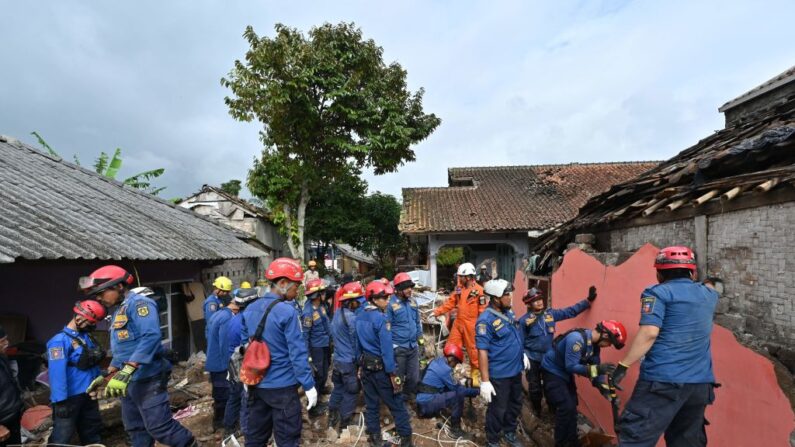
145,291
497,288
466,269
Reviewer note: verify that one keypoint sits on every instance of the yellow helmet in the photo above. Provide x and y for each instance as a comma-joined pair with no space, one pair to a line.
312,263
223,283
245,285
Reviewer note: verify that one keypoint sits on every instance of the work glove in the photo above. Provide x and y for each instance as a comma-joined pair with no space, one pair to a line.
527,364
443,324
397,384
311,398
61,410
95,384
487,391
595,371
591,294
117,386
421,341
618,374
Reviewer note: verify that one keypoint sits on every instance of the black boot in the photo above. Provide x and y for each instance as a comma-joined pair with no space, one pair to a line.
345,423
333,420
318,409
457,432
375,440
405,441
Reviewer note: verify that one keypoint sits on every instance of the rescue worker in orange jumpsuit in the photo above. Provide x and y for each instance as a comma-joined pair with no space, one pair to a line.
470,301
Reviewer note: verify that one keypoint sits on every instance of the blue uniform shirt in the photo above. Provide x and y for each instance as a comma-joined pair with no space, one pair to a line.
63,352
375,336
404,317
217,355
233,333
539,328
571,355
289,356
212,304
683,311
362,304
135,336
499,334
346,344
316,325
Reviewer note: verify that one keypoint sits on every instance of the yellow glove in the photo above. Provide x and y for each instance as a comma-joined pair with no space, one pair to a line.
117,386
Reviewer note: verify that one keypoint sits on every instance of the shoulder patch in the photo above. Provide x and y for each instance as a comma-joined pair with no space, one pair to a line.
482,328
496,322
576,347
395,306
308,321
56,353
212,307
143,311
647,304
388,326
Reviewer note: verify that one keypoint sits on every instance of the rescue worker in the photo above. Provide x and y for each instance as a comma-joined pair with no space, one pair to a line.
139,372
317,335
379,380
245,285
470,301
218,355
499,342
404,318
538,325
236,413
345,359
10,399
311,273
222,287
483,276
438,390
577,352
73,360
273,404
676,380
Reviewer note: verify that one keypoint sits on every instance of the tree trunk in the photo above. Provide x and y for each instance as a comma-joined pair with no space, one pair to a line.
288,223
301,218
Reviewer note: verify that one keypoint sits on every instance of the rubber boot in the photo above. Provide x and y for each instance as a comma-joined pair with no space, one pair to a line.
405,441
345,423
510,439
318,409
333,420
375,440
457,432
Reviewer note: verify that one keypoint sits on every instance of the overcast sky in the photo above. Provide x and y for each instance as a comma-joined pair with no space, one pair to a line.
522,82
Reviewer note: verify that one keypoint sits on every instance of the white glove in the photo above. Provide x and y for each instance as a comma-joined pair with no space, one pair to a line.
311,398
527,364
443,324
487,391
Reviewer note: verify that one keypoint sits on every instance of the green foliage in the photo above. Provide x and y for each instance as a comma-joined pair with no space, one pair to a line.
328,103
450,256
45,145
381,213
232,187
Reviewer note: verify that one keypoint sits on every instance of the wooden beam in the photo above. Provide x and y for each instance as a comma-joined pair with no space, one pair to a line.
675,204
732,193
706,197
766,186
654,207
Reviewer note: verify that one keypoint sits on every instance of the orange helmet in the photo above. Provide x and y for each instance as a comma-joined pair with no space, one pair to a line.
351,290
376,289
284,268
455,351
402,281
104,278
314,286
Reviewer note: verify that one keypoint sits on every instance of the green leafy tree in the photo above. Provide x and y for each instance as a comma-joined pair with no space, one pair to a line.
381,238
448,256
109,167
327,102
232,187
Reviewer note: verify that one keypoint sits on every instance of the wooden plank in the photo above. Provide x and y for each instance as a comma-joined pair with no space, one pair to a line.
766,186
706,197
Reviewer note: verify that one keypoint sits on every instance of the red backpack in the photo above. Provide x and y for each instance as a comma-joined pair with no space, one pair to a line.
257,358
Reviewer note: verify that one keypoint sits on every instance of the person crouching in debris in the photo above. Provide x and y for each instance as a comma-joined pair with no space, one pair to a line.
538,325
317,335
274,407
468,298
236,407
139,372
345,358
404,319
380,382
676,380
438,389
73,361
577,352
499,342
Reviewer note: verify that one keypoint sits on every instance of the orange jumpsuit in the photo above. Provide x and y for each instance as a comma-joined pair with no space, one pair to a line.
470,302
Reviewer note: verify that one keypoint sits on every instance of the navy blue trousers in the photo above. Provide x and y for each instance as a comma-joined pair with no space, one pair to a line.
220,396
277,412
346,389
438,402
146,414
82,417
562,394
320,362
377,389
407,366
676,409
502,415
236,407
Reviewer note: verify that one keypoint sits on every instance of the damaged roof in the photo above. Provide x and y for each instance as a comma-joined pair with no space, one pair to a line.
53,209
751,160
242,203
779,80
510,198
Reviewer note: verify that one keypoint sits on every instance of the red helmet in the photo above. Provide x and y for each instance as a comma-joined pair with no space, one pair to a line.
615,332
314,286
532,295
675,258
375,289
351,290
91,310
455,351
284,268
402,281
104,278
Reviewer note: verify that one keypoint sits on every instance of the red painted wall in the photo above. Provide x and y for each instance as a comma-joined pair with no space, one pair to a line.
750,408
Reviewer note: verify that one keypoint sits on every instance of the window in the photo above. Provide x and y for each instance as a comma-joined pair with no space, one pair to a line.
163,296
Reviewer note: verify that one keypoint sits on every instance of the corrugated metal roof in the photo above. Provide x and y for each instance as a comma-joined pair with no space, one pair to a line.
52,209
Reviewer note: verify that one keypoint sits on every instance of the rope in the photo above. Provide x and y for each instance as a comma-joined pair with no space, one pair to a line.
361,428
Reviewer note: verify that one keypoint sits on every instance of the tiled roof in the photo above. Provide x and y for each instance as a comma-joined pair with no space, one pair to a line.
510,198
784,78
53,209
